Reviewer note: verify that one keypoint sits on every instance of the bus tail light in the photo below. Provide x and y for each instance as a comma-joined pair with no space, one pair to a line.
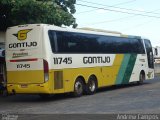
46,70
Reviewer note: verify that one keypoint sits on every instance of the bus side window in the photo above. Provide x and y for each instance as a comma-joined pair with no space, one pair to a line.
52,37
156,51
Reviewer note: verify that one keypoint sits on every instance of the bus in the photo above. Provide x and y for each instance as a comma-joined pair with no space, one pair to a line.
156,54
2,72
45,59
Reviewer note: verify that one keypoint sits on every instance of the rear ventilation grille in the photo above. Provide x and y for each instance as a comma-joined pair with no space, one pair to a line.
58,80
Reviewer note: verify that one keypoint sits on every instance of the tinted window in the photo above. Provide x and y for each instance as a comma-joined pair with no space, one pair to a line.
52,40
149,53
156,51
70,42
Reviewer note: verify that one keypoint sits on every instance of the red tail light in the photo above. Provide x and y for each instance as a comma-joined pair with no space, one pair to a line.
46,70
24,60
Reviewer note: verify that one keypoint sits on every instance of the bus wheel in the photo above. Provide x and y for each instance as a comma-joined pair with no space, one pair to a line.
141,78
91,86
78,88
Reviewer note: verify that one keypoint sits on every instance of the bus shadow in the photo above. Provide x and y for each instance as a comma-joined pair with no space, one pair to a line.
58,97
115,87
21,98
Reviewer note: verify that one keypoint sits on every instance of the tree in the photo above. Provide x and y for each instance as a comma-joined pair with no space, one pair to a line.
57,12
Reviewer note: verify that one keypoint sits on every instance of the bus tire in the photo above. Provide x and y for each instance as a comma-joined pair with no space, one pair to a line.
141,78
91,86
78,87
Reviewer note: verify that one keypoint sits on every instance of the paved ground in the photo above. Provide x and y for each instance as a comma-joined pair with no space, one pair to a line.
123,99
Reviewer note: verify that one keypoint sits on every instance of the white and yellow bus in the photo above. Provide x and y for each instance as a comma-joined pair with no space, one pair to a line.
46,59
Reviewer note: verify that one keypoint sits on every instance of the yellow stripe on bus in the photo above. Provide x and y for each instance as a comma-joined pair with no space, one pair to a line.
111,73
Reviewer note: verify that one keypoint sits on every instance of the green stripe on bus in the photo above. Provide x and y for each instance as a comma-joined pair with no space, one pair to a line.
122,69
129,68
126,69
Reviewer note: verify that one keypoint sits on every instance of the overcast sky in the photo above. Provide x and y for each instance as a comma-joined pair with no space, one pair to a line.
133,17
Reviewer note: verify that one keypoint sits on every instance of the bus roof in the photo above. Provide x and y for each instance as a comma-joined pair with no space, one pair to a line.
131,36
80,30
99,30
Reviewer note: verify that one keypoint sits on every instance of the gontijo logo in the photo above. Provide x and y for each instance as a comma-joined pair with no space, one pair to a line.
22,34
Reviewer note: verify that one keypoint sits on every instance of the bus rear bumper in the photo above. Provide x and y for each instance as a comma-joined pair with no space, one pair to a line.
28,88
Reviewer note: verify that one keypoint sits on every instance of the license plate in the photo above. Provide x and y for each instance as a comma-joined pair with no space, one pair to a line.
24,86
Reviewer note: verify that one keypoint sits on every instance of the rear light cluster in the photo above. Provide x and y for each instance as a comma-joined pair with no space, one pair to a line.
46,70
45,66
24,60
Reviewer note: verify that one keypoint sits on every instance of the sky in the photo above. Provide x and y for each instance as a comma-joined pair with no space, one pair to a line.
132,17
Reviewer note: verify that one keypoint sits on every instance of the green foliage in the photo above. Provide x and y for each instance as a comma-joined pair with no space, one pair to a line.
57,12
